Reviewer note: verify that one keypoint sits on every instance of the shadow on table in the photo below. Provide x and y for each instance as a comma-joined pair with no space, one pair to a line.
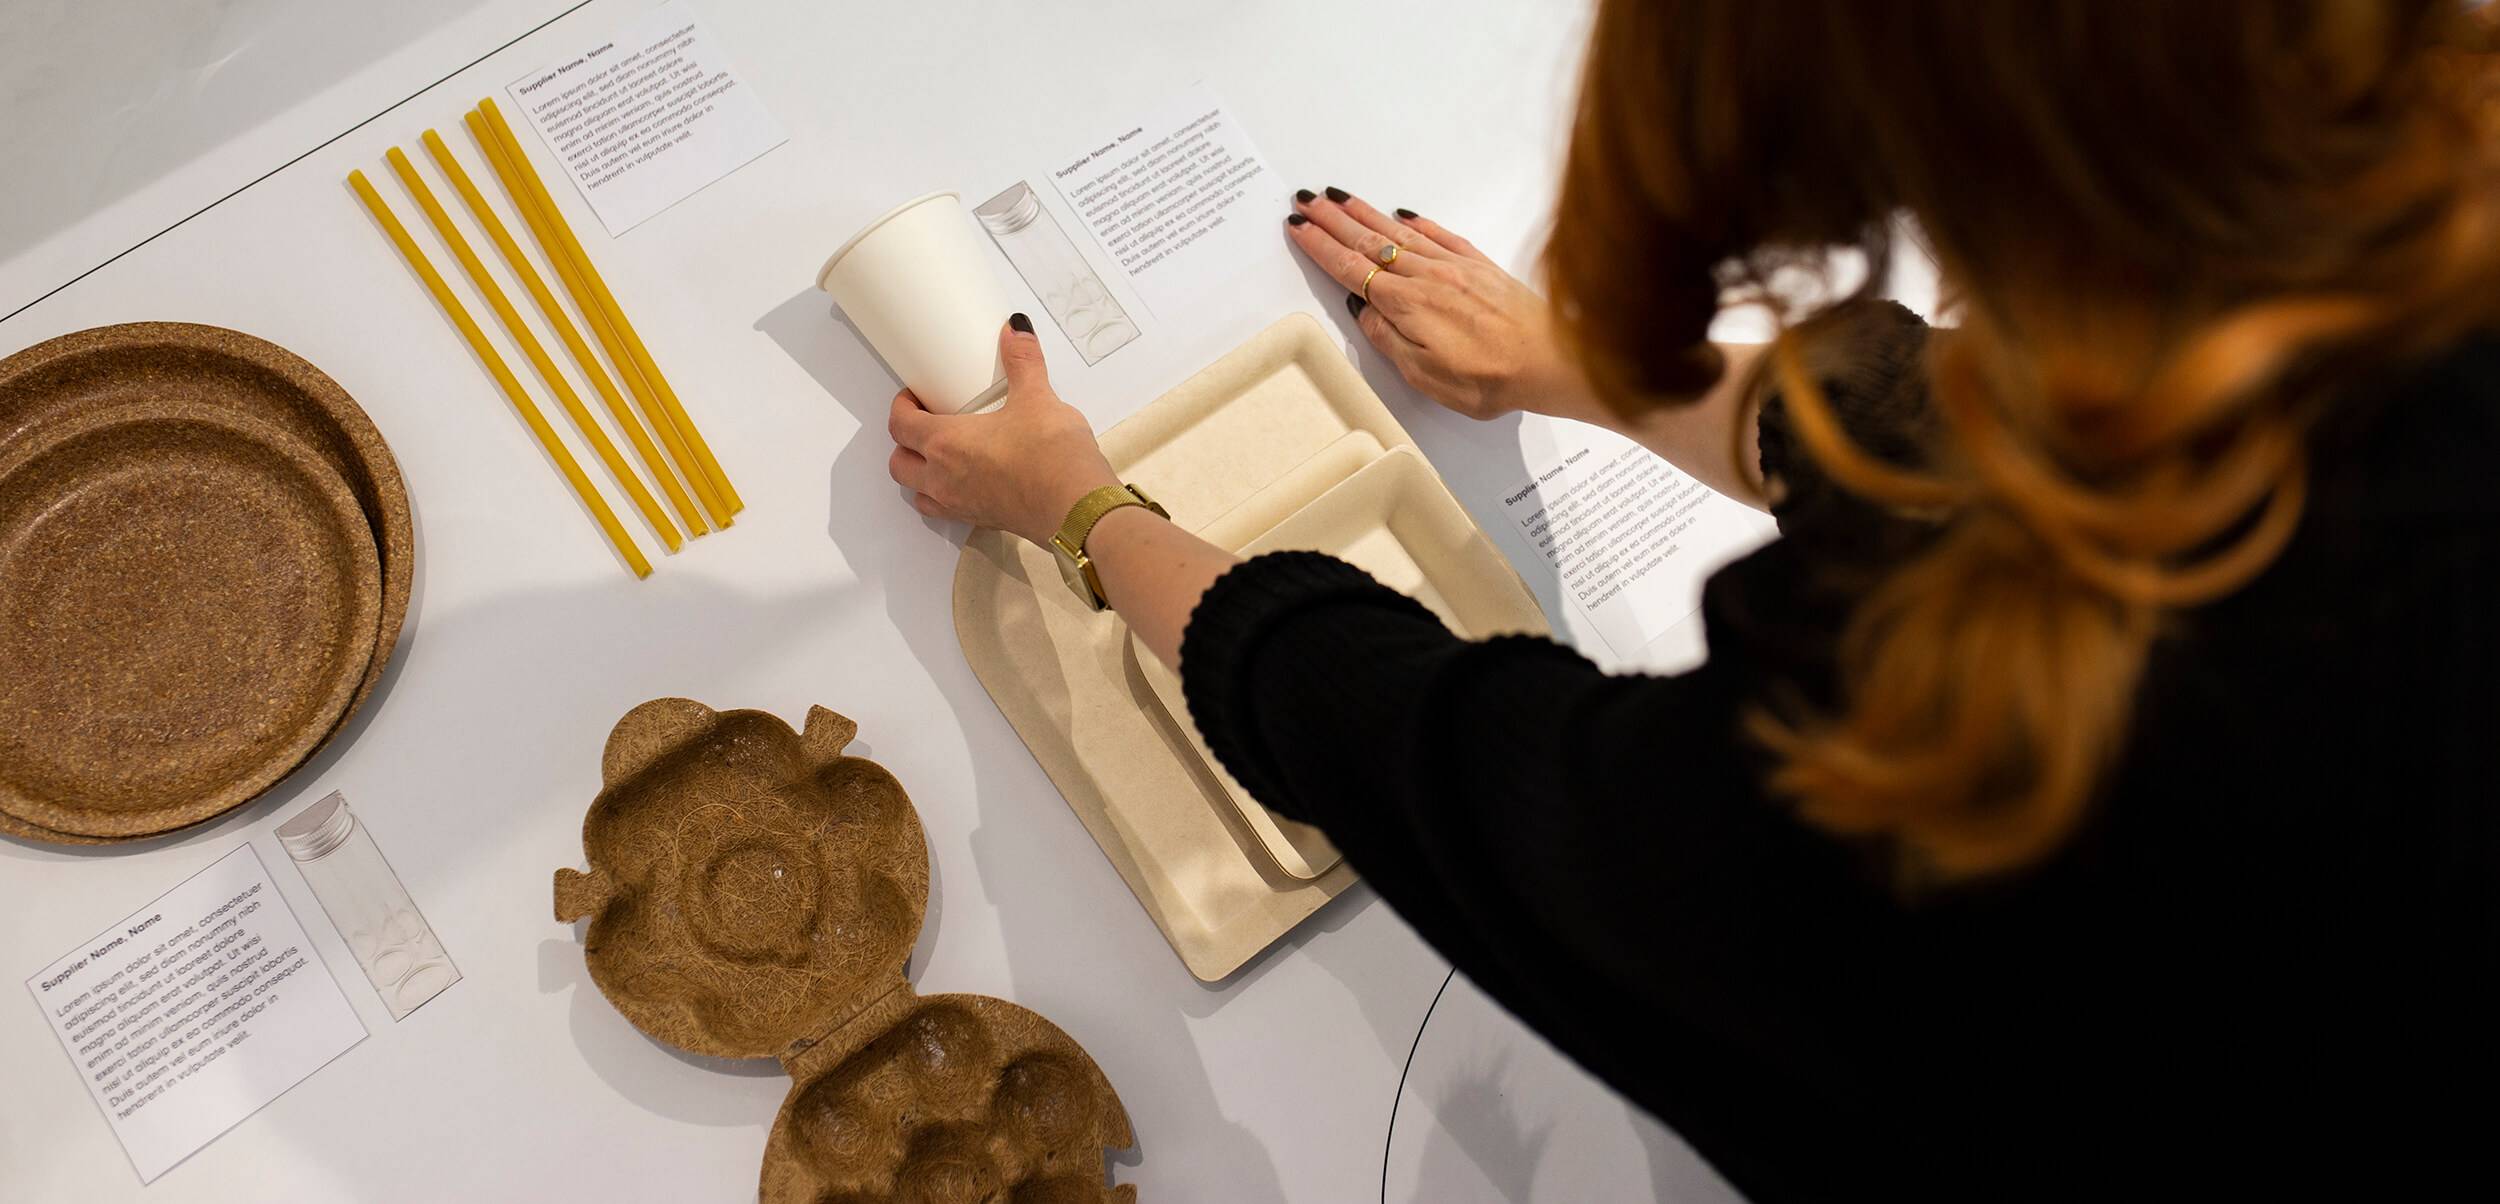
1483,1150
1494,1115
618,1052
1488,1134
1040,870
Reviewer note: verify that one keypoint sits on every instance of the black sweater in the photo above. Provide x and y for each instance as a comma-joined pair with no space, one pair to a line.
2264,959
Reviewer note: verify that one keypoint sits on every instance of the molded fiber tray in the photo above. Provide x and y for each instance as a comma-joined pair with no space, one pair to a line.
1235,449
1394,519
755,893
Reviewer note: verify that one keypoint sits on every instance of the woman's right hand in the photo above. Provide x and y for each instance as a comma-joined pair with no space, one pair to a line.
1460,329
1018,468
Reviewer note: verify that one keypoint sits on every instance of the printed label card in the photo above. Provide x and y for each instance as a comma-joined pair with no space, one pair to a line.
194,1011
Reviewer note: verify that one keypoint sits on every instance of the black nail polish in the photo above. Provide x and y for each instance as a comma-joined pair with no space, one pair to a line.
1354,304
1305,196
1339,195
1407,215
1022,324
1295,219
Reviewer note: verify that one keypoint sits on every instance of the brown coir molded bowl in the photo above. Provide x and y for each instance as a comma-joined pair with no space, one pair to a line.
165,383
187,601
754,892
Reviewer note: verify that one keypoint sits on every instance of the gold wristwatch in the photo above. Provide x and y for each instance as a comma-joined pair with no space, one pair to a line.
1069,543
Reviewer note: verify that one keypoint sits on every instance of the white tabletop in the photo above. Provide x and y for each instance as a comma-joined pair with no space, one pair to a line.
526,640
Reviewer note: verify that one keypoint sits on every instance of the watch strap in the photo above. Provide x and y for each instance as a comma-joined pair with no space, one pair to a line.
1088,511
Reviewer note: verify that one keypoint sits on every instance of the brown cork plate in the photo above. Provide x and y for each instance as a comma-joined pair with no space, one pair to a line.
149,363
187,602
753,892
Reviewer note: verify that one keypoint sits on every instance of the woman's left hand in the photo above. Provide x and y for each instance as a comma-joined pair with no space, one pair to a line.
1018,468
1460,329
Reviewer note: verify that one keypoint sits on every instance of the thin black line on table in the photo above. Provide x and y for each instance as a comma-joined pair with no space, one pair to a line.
577,6
1388,1140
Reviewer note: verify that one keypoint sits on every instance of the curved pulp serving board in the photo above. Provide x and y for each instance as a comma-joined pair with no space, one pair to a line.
1240,446
1394,519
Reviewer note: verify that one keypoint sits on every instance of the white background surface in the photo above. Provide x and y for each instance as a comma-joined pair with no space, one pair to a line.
526,639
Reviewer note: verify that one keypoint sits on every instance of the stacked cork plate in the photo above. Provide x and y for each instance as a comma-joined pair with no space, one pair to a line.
205,557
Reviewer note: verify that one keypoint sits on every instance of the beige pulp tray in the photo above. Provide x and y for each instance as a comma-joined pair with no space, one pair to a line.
1393,519
1235,451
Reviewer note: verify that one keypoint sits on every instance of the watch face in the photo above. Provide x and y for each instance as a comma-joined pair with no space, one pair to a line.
1070,573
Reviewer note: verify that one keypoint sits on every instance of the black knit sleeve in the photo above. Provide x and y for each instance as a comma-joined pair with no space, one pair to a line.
1340,702
1293,642
1560,834
1229,630
1866,358
1598,852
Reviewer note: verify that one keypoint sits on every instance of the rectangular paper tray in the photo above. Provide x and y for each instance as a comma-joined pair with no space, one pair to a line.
1394,519
1262,416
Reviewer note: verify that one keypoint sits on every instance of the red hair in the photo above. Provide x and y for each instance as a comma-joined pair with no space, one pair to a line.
2172,234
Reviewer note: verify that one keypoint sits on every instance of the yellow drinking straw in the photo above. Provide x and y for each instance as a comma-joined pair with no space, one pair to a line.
570,271
530,346
605,302
565,330
503,375
652,412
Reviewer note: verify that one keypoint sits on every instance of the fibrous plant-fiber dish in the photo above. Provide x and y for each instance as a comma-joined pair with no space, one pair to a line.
143,366
753,892
187,602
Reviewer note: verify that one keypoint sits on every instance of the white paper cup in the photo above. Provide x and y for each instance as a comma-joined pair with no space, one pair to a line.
919,284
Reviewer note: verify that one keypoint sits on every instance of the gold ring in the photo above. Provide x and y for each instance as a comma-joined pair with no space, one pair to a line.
1366,290
1388,254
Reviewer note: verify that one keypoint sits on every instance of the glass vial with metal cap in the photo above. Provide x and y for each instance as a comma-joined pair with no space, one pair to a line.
360,894
1074,295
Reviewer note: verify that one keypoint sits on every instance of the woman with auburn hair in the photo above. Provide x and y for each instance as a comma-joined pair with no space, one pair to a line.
2093,788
